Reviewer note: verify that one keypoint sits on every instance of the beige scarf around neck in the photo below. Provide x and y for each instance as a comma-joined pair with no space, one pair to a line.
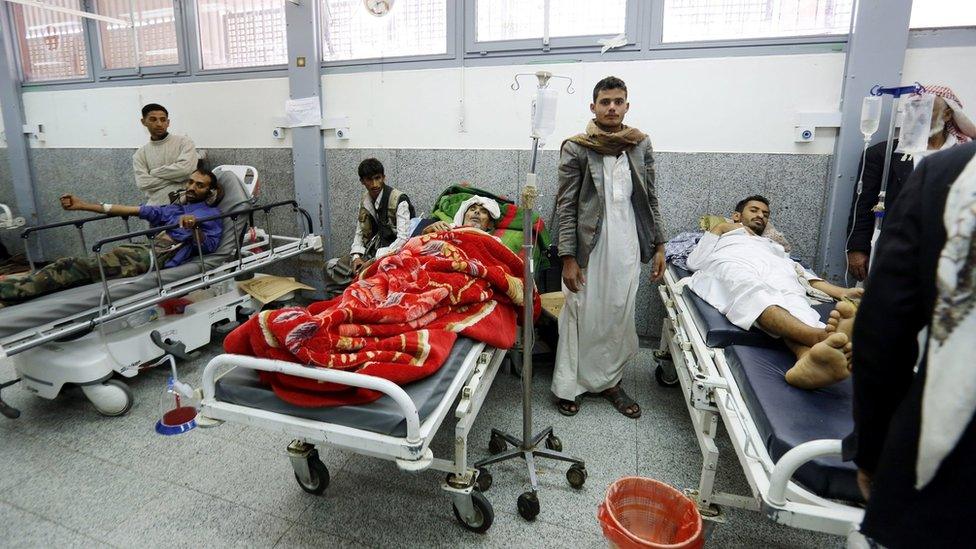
607,143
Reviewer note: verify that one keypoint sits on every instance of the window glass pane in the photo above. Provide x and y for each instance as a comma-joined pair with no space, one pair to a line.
241,33
155,30
928,14
520,19
52,44
691,20
412,27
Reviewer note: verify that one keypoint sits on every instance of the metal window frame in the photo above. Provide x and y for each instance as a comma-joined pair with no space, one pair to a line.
634,29
8,13
103,74
454,15
646,45
195,53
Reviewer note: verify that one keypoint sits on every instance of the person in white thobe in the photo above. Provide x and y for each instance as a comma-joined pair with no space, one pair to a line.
607,224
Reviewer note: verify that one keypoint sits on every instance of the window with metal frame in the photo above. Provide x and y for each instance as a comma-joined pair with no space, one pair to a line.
504,20
411,28
51,44
940,14
152,39
241,33
709,20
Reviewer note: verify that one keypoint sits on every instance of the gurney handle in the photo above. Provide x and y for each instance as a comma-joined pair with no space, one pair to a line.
385,386
793,460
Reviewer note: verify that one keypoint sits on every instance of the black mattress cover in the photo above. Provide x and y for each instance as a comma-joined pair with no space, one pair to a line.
716,329
787,417
241,386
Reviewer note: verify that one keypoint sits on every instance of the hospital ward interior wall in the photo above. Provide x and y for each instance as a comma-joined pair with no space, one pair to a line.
721,127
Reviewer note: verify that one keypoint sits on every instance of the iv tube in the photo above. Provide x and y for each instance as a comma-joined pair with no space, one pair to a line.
870,116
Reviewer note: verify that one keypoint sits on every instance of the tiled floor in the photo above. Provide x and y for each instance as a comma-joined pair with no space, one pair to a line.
72,478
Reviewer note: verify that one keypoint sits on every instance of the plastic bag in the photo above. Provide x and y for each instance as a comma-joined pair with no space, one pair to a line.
916,125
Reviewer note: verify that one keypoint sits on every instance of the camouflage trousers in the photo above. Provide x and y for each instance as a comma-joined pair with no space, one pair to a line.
122,261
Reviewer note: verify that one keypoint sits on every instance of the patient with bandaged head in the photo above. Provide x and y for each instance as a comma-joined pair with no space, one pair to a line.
753,281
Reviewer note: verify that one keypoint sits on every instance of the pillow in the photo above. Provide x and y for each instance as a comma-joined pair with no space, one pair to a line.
707,222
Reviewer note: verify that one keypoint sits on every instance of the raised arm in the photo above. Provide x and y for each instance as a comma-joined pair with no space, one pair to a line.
73,203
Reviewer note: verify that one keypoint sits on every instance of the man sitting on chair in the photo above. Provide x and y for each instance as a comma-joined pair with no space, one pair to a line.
173,247
752,281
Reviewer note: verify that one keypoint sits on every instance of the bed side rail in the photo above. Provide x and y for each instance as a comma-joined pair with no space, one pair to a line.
385,386
233,216
79,224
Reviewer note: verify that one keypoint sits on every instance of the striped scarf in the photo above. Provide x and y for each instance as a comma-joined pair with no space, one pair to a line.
607,143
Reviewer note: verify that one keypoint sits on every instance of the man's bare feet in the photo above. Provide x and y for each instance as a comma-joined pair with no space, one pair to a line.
842,319
824,364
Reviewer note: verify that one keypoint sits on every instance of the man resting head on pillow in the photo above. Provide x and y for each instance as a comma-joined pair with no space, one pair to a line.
478,212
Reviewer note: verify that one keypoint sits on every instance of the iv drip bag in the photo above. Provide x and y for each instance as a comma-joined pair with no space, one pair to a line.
916,124
544,112
870,115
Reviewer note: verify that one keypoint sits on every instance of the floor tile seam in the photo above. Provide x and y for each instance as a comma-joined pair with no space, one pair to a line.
542,520
52,521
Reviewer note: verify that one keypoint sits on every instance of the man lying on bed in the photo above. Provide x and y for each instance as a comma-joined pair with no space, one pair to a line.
752,281
399,319
173,247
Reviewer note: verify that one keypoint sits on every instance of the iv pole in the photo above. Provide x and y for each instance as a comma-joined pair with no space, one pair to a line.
527,447
895,93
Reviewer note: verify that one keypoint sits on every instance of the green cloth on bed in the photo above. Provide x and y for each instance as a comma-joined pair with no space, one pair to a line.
508,228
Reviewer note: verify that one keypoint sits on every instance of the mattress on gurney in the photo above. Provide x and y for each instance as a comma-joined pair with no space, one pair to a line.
716,329
66,303
241,386
787,417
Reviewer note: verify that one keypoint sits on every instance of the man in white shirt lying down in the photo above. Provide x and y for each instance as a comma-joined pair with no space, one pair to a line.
753,282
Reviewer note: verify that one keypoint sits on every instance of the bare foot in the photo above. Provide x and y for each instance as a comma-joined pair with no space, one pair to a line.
842,319
825,364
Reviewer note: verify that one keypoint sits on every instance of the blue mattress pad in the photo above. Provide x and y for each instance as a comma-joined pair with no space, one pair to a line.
241,386
716,329
787,417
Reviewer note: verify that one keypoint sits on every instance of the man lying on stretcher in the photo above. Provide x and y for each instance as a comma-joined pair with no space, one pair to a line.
752,281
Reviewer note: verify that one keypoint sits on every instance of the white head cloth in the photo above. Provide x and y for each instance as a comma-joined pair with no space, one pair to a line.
949,396
488,203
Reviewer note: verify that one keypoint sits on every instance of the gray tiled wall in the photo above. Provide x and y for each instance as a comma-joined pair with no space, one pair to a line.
688,185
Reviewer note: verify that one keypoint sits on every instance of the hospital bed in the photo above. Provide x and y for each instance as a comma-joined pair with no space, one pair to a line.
93,334
397,427
787,440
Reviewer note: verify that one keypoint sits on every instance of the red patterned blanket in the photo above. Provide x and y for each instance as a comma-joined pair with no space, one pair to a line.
398,321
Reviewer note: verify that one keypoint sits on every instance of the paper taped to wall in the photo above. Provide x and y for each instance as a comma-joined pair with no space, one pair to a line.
305,111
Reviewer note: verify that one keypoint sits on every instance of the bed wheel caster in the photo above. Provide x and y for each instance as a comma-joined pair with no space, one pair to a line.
484,480
553,443
528,505
482,517
576,475
662,379
497,444
318,475
112,398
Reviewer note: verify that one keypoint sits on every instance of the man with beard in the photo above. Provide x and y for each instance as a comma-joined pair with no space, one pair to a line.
754,282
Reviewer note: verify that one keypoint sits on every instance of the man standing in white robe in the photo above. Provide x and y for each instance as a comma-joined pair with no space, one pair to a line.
754,282
608,223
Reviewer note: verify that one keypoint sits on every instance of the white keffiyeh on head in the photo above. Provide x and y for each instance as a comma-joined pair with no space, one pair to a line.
489,204
949,397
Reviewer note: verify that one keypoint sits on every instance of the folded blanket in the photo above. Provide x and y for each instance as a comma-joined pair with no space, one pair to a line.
398,321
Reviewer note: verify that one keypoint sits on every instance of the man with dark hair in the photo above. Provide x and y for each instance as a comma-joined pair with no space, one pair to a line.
383,226
754,282
162,165
607,223
172,247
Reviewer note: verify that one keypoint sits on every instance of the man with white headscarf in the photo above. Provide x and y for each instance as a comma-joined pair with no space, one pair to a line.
478,211
950,126
914,436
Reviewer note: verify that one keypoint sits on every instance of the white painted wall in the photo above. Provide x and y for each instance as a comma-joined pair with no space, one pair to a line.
737,104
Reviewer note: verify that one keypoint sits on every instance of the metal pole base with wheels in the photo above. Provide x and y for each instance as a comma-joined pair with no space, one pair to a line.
528,447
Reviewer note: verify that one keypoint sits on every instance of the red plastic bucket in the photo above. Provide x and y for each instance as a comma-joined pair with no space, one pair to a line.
642,512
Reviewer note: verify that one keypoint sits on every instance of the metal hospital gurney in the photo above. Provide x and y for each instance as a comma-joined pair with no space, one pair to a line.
397,427
787,440
86,335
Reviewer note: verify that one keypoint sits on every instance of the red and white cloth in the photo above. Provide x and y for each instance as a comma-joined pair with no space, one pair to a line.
960,125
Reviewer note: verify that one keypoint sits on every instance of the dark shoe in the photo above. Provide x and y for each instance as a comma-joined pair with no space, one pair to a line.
622,402
568,407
